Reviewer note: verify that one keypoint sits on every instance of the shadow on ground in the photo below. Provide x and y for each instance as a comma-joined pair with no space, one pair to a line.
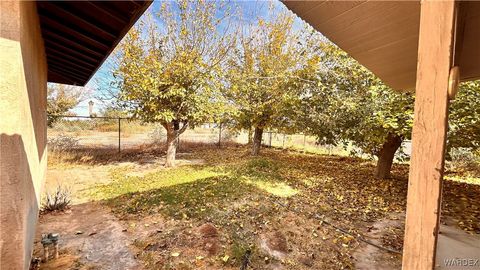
271,207
91,237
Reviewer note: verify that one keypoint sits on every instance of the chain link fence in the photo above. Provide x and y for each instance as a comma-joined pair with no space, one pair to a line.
299,142
70,132
125,133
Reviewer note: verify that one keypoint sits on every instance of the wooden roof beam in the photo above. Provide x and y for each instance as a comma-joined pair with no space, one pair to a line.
72,69
60,78
54,52
68,63
67,74
54,37
135,3
53,24
63,12
80,35
106,9
460,19
59,47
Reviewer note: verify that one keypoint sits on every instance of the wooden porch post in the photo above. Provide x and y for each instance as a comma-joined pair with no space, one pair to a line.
429,134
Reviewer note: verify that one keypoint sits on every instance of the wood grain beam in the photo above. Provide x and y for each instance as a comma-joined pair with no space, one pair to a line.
67,64
54,52
460,19
435,48
58,46
62,12
60,39
107,10
77,36
67,74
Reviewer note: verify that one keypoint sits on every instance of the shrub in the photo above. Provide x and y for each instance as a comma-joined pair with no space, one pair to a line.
158,135
229,135
464,160
62,142
58,200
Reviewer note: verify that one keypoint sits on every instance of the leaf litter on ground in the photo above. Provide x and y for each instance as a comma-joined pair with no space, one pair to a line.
279,193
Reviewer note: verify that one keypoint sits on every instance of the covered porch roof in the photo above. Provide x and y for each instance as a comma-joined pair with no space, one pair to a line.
424,45
383,35
80,35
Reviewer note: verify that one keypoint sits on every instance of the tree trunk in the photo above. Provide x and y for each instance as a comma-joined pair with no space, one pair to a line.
249,135
386,155
173,133
257,141
171,148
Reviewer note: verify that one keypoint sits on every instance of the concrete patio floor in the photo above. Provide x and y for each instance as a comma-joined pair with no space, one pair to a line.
457,249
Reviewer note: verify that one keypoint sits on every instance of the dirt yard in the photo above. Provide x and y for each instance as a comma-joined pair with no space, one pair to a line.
222,209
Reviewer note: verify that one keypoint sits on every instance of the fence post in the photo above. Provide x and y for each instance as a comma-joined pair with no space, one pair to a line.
304,142
283,143
119,131
220,136
270,142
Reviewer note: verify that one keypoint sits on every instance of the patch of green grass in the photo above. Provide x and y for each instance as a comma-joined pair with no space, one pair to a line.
240,248
182,192
265,174
277,189
192,199
259,167
192,191
122,183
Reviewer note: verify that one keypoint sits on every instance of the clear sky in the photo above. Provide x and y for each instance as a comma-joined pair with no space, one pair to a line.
103,79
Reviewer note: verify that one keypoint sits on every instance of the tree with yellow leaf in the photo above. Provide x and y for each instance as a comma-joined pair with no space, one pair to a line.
171,74
267,73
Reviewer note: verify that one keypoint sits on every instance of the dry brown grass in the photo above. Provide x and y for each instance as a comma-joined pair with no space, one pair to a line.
95,155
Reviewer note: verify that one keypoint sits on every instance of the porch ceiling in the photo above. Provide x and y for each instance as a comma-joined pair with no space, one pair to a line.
383,35
80,35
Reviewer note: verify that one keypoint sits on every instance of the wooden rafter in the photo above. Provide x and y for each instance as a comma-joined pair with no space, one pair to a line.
73,59
80,35
62,12
76,36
